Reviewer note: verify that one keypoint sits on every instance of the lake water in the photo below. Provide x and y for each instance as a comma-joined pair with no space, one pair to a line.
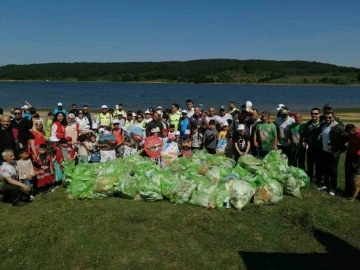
45,95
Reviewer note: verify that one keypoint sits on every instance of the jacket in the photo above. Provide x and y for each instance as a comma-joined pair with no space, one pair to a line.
198,120
311,135
337,137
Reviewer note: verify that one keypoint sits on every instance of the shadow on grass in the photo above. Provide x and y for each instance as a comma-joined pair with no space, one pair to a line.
340,255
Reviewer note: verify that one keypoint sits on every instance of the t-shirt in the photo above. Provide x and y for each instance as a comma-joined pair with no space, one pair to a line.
222,134
266,134
295,131
9,171
242,142
26,169
282,128
82,151
325,137
196,139
354,144
221,119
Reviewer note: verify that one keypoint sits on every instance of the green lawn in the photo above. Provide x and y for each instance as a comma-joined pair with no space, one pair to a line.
57,233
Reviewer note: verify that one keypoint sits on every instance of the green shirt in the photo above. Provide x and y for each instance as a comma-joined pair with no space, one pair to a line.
295,131
266,134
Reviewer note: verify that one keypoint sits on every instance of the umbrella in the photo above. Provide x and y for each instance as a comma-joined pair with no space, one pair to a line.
152,146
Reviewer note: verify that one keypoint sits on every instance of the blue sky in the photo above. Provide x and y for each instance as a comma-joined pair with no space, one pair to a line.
39,31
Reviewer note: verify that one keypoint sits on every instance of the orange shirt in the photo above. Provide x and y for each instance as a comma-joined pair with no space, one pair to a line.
118,135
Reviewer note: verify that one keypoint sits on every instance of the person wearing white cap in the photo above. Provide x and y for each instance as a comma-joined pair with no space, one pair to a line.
26,114
121,119
118,132
282,124
104,118
59,109
147,117
83,122
184,123
242,144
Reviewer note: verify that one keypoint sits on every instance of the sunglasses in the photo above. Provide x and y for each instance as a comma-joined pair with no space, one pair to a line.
38,124
139,118
17,113
315,113
328,117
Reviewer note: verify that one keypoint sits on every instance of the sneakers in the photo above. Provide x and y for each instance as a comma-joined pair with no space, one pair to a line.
227,205
332,192
32,197
323,188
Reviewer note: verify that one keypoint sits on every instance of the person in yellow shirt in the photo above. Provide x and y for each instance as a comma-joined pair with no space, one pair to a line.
224,130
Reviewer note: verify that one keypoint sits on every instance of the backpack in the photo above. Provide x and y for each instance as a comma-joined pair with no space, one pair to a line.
107,139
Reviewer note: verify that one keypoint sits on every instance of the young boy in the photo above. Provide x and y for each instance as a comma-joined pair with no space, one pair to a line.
84,149
242,145
211,138
196,138
95,152
26,171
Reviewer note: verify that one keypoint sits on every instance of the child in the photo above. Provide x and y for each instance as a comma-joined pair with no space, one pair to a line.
210,138
196,138
164,135
71,148
95,152
186,145
222,143
26,171
128,148
172,129
178,140
44,168
170,151
67,151
84,149
57,158
242,145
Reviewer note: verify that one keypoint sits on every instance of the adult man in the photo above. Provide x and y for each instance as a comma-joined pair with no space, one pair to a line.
60,109
87,114
254,119
199,120
333,138
7,140
119,109
129,119
297,151
104,118
352,161
20,127
328,109
165,118
223,116
121,119
211,115
159,110
13,189
175,116
26,114
74,109
282,124
265,135
281,106
311,143
118,132
232,107
184,123
190,108
155,123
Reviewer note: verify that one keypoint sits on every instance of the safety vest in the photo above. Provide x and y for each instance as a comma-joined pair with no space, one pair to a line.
105,119
116,112
174,119
128,123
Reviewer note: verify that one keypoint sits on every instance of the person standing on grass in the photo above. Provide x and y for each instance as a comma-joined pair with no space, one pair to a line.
211,115
37,137
184,124
328,109
210,138
282,124
333,138
190,108
21,127
175,116
58,126
313,146
242,144
232,107
155,123
7,139
199,120
352,160
297,151
74,109
59,109
72,128
265,135
104,118
87,114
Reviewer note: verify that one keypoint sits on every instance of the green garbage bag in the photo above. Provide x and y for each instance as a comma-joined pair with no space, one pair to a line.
222,194
250,163
241,193
300,175
205,197
225,170
277,170
194,169
167,180
200,180
213,174
270,192
180,192
104,185
185,162
69,167
150,188
292,187
276,155
129,188
240,172
80,190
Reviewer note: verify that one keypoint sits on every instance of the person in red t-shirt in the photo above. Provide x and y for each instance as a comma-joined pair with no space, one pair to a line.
352,157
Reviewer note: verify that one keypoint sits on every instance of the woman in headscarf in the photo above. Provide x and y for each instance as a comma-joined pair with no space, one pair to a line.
58,126
37,137
83,122
72,128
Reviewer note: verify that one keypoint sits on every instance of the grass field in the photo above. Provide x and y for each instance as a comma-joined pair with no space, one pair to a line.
54,232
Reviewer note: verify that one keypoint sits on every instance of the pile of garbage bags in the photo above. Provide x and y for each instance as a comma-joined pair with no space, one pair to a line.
203,180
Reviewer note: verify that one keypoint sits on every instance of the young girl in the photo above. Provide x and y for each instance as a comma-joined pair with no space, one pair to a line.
84,149
196,138
186,145
58,158
44,168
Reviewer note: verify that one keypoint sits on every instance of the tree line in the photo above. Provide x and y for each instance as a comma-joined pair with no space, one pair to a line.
195,71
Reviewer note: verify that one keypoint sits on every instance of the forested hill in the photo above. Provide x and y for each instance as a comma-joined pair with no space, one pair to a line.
195,71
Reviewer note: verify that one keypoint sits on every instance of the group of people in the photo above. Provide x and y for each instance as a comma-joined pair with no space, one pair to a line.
33,150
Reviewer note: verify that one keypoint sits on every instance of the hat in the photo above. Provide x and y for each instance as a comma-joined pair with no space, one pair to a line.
133,114
280,106
159,108
184,111
327,106
177,133
59,104
54,139
147,112
171,136
94,126
116,122
284,111
68,138
116,107
119,113
187,131
101,129
225,124
241,127
25,107
103,107
154,130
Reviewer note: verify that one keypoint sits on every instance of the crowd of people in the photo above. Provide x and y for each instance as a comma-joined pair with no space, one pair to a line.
34,149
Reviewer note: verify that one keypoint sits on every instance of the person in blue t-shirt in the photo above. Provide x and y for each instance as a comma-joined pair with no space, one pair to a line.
59,109
184,123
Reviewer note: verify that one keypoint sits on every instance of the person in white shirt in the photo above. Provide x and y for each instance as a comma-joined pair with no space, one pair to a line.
84,123
223,116
190,108
282,124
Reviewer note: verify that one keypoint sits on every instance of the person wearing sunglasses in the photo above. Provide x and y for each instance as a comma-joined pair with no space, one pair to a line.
333,138
37,137
327,109
282,124
312,145
20,127
211,115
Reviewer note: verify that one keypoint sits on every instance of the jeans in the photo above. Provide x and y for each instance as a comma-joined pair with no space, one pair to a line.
286,150
313,160
297,157
329,165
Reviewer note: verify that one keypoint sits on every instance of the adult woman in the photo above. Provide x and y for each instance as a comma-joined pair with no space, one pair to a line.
37,137
58,126
72,128
83,122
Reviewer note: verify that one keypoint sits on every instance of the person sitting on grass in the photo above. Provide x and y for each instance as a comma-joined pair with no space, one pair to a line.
14,191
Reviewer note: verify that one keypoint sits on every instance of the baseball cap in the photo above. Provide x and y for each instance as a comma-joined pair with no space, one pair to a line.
101,129
184,111
280,106
147,112
154,130
54,139
133,114
225,124
68,138
327,106
60,104
187,131
116,122
159,108
104,107
25,107
177,133
241,127
119,113
116,107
